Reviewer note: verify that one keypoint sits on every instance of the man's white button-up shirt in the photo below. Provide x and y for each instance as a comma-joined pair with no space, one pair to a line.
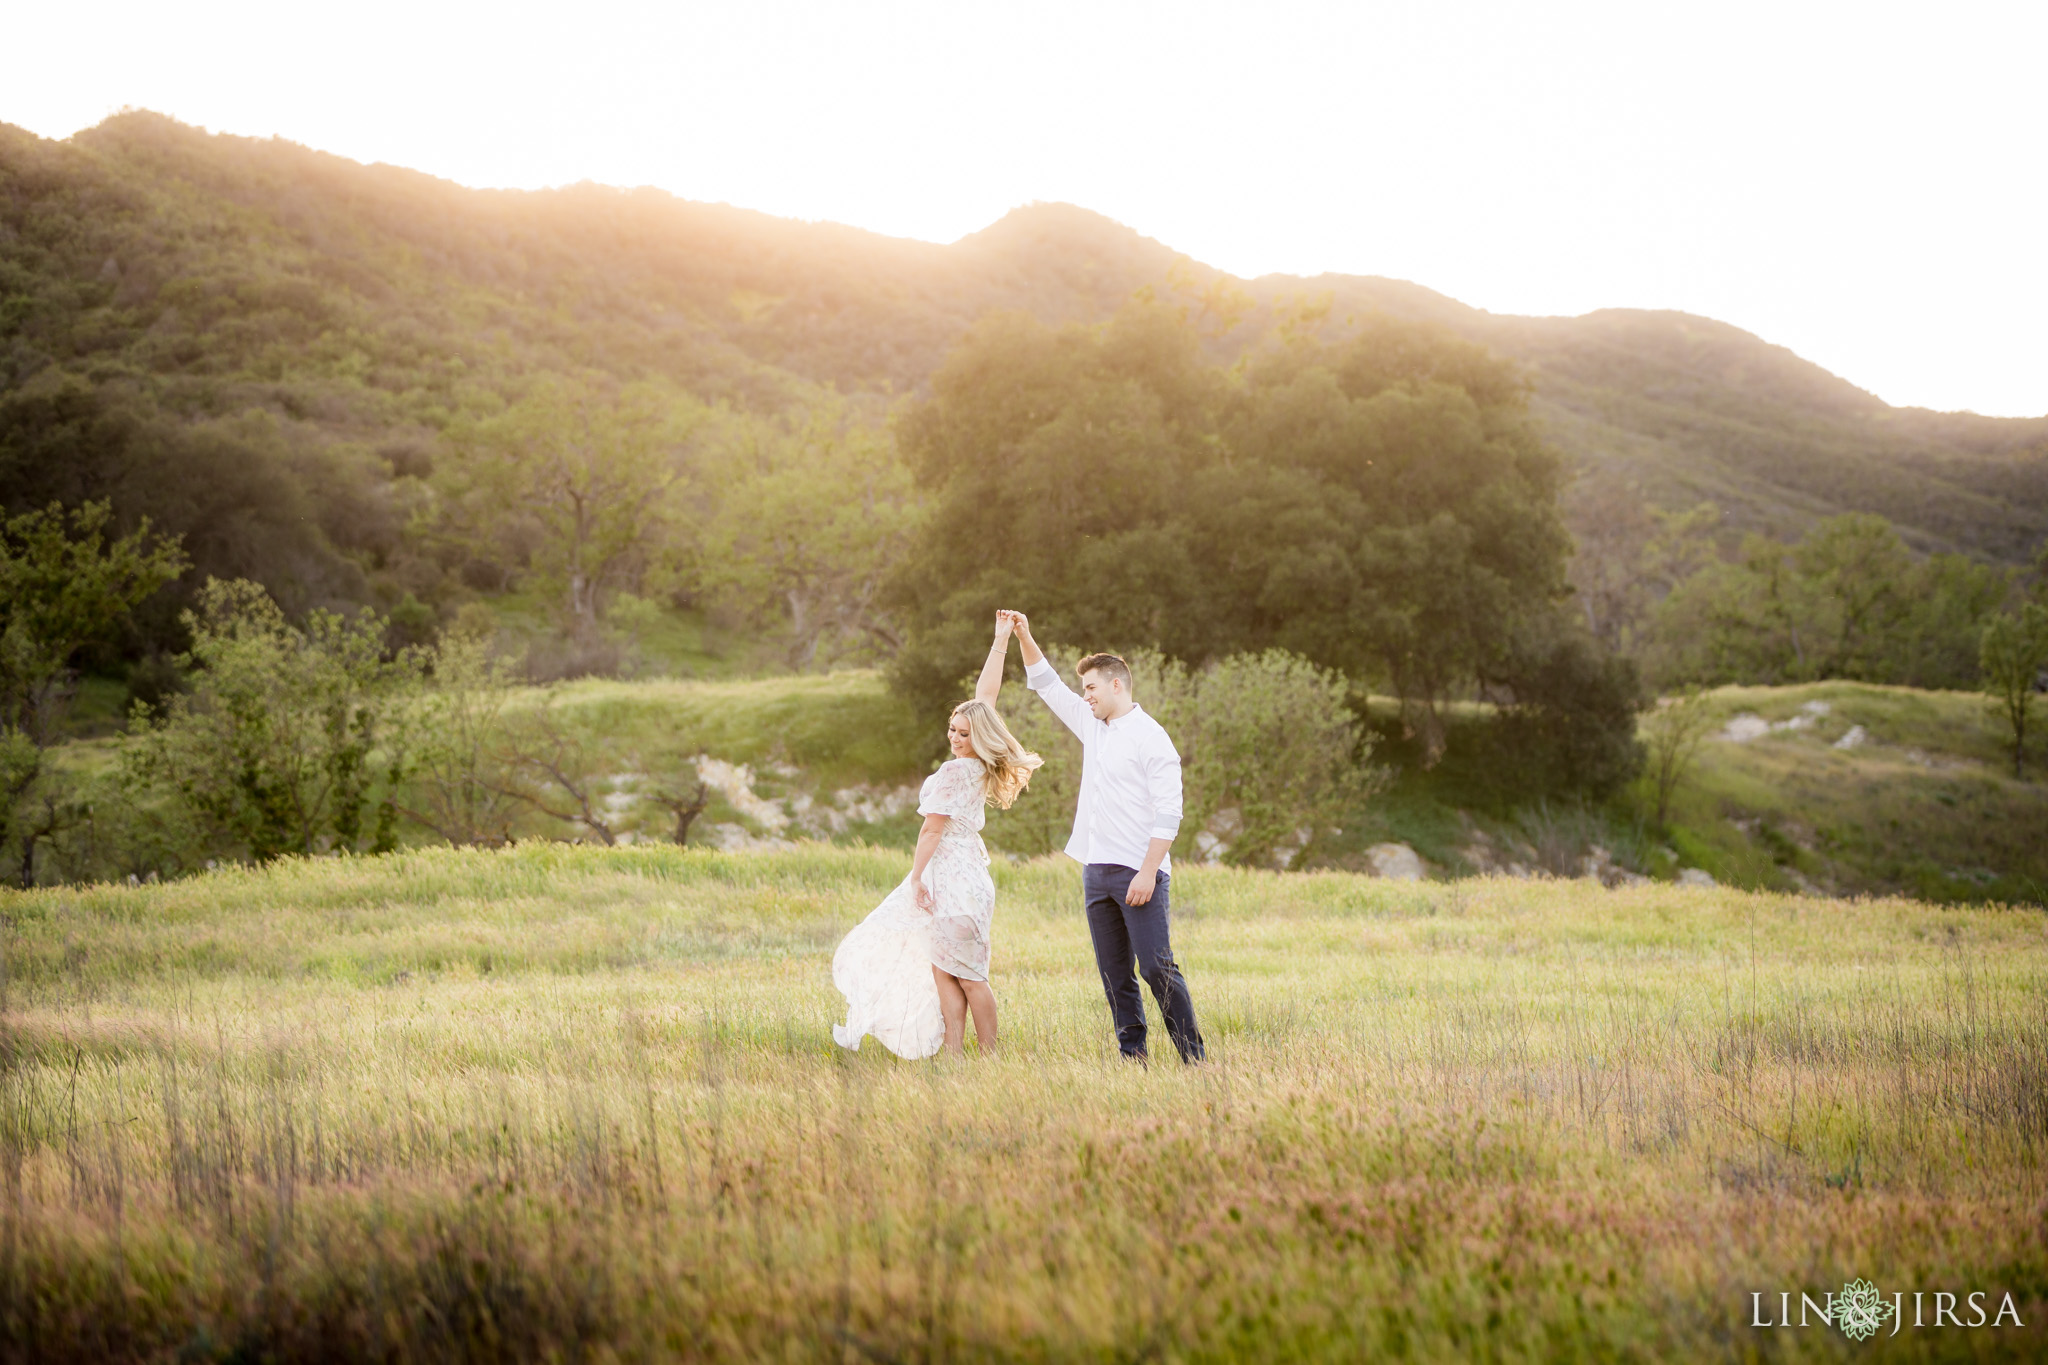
1130,777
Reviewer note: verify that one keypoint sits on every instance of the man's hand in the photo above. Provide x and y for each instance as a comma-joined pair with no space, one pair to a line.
1141,887
1022,623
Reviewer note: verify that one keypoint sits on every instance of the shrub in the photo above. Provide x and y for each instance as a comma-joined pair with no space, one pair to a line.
2013,655
459,774
1673,732
1570,727
1271,755
291,740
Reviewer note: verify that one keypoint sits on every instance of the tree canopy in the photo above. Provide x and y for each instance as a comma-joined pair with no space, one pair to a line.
260,347
1382,506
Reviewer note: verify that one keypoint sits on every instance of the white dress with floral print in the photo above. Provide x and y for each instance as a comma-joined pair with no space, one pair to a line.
884,967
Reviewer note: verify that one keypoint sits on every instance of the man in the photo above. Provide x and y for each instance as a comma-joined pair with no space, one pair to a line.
1126,819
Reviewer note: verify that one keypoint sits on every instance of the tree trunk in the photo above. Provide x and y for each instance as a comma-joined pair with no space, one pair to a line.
686,809
803,644
582,586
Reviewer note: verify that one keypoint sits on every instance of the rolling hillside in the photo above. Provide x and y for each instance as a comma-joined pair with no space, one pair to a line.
362,306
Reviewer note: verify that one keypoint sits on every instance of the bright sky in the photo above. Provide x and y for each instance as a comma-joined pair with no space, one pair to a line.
1862,182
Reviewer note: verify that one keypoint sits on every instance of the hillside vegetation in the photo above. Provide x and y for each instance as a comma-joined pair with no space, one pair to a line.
334,318
583,1104
1828,788
616,434
1921,802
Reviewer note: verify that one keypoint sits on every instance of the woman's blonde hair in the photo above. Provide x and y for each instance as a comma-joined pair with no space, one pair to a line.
1006,764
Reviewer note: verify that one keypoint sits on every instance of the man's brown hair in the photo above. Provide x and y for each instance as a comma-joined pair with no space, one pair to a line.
1108,665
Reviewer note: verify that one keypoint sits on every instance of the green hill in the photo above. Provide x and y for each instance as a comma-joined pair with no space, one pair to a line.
257,344
1827,788
1920,801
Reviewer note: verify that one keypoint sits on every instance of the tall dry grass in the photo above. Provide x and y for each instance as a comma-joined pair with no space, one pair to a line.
582,1104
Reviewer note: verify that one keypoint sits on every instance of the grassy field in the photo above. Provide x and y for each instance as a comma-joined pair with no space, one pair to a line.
581,1104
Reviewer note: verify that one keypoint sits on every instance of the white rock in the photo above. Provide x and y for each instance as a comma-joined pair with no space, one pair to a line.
1802,883
1396,862
1284,856
735,782
1856,735
1694,876
624,795
1744,728
864,804
1748,726
735,838
1214,840
1599,864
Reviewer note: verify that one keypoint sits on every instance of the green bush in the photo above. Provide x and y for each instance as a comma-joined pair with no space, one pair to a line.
2013,655
1271,755
291,740
1570,727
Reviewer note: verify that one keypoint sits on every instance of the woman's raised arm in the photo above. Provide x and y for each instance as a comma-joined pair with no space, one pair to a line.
990,683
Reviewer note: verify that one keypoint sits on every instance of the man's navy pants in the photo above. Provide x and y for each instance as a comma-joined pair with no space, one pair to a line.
1131,937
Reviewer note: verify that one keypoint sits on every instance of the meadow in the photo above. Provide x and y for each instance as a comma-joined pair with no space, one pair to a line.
581,1103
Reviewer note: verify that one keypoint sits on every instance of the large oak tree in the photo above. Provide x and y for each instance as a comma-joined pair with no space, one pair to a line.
1380,504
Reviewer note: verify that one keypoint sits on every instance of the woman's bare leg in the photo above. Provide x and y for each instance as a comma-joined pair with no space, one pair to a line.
953,1005
982,1001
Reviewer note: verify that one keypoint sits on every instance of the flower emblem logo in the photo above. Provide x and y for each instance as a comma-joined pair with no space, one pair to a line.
1860,1310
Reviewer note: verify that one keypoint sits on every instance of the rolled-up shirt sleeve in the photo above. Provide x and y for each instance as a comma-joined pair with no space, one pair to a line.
1162,782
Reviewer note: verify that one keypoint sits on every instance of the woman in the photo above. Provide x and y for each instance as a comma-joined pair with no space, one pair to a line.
913,970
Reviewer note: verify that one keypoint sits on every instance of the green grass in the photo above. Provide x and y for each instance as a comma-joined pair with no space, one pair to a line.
579,1103
839,728
805,738
645,639
1926,805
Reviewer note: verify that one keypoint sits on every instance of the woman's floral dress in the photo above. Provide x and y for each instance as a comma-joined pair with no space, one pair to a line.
883,967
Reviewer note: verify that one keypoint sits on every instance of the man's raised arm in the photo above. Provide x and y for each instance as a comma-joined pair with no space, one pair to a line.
1042,678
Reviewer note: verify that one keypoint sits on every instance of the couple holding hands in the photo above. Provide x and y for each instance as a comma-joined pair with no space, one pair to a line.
915,969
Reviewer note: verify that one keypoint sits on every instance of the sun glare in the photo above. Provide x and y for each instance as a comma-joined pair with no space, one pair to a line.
1850,182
